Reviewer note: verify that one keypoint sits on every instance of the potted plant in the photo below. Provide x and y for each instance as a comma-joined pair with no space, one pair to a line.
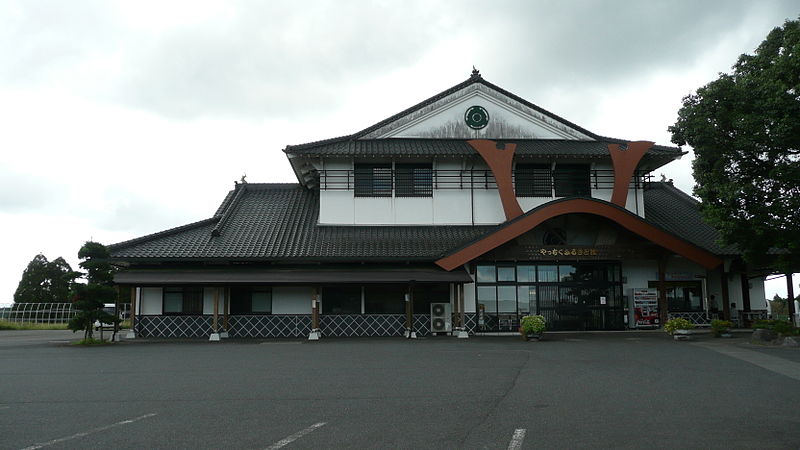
721,328
679,328
532,327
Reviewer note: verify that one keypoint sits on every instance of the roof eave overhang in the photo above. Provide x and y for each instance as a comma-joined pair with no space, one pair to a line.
621,216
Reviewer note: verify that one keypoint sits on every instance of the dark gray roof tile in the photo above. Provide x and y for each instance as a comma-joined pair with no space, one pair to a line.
278,222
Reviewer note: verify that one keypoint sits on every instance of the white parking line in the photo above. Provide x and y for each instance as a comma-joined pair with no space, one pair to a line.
288,440
86,433
516,439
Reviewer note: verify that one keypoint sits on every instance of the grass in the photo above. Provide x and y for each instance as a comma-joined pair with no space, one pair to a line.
8,325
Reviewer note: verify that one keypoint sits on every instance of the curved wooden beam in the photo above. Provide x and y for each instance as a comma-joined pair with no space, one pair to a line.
625,162
500,161
596,207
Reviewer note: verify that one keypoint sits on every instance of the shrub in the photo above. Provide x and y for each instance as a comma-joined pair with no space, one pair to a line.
779,326
677,323
533,324
720,326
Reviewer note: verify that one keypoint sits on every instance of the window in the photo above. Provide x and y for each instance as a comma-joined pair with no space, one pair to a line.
341,300
385,299
414,180
682,295
251,300
571,180
183,300
373,180
533,180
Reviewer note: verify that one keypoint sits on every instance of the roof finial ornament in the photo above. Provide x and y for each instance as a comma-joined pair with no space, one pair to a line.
475,73
244,179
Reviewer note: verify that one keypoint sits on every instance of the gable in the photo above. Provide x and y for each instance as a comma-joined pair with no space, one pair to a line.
508,118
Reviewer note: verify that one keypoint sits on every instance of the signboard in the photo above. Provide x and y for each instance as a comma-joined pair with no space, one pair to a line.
645,308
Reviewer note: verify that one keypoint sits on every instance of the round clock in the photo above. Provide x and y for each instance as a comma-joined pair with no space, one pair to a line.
476,117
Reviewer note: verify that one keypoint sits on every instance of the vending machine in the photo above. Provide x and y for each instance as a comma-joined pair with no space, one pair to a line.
645,308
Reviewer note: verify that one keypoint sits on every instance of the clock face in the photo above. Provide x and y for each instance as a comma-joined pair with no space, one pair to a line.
476,117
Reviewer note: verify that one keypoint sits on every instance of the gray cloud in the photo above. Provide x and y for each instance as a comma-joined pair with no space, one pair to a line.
22,193
599,42
271,61
38,38
279,60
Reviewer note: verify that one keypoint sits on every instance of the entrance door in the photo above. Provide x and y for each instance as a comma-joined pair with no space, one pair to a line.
580,296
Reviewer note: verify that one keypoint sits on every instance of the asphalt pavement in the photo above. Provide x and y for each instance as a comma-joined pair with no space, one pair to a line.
619,390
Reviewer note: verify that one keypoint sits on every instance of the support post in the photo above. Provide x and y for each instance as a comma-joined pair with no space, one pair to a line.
726,297
663,306
215,324
226,309
790,298
116,336
132,331
315,333
410,333
456,316
462,333
745,286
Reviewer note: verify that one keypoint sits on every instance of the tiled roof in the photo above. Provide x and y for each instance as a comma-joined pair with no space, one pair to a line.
412,147
278,222
344,144
677,212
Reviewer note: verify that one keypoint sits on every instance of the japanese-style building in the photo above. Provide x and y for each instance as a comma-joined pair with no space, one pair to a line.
460,214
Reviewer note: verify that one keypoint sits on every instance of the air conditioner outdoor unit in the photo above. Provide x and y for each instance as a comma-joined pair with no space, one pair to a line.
441,318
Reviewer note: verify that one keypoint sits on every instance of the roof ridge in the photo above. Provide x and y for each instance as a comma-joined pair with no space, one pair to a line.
226,214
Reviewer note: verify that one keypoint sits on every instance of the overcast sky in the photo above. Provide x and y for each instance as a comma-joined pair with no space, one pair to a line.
119,119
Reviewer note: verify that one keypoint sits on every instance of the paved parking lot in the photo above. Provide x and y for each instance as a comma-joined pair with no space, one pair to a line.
571,391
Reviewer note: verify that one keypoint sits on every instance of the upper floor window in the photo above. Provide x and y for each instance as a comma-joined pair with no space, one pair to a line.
533,180
413,180
572,180
372,180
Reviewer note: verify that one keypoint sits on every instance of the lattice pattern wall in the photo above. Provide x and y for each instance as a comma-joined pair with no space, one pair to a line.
289,325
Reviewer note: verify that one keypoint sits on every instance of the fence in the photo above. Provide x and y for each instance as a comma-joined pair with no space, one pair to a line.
47,312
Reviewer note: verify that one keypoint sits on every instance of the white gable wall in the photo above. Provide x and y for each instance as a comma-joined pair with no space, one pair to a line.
508,118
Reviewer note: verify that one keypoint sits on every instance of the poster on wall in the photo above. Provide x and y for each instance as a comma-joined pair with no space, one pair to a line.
645,308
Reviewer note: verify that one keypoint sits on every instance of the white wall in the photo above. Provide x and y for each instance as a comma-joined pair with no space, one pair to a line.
150,301
445,207
291,300
413,210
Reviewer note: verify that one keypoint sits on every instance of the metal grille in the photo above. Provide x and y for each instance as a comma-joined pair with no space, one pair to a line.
413,180
699,318
533,180
252,326
537,183
352,325
174,326
290,325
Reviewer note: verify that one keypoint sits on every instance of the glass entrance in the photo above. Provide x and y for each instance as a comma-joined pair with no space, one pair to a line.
579,296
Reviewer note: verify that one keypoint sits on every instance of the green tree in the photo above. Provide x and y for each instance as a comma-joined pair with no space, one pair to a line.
745,131
98,290
46,281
